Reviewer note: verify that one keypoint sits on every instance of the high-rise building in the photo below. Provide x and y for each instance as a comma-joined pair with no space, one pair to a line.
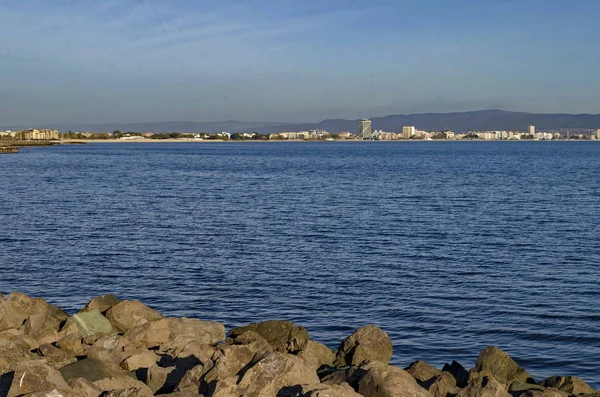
531,130
364,129
598,134
407,132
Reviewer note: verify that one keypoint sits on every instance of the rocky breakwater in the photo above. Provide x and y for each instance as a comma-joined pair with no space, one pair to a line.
115,348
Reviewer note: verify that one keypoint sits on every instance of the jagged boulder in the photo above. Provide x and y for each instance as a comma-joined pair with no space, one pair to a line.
443,385
42,327
422,371
55,356
11,354
275,372
547,393
91,323
117,384
389,381
142,359
84,388
484,386
501,366
128,314
22,306
319,390
92,370
8,319
173,332
369,343
101,303
568,384
71,344
317,355
157,379
35,376
283,336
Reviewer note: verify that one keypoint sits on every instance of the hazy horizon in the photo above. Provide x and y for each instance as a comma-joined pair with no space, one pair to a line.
99,62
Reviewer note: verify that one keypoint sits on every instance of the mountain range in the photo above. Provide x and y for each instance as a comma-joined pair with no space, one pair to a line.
480,120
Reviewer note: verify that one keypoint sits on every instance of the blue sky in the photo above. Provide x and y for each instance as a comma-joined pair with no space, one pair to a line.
94,61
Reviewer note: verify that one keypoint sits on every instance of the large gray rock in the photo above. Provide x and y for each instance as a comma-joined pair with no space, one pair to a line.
369,343
501,366
317,355
173,332
42,327
443,385
484,386
142,359
568,384
23,306
128,314
273,373
389,381
35,376
422,371
11,354
283,336
101,303
321,390
92,370
91,323
84,388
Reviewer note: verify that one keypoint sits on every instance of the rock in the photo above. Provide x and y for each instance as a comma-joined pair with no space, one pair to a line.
568,384
458,372
202,351
71,344
323,390
91,323
545,393
35,376
501,366
172,332
55,356
52,393
18,338
351,376
283,336
42,327
484,386
157,379
422,371
101,303
23,306
389,381
11,354
8,319
84,388
274,372
131,392
317,355
119,384
92,370
142,359
443,385
128,314
369,343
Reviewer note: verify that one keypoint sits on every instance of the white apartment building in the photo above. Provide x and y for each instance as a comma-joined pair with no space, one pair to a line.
408,132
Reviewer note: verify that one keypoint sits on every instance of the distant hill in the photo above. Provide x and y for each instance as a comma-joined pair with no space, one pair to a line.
459,122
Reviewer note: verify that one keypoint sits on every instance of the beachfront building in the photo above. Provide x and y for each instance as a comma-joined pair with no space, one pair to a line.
531,130
408,132
33,134
364,129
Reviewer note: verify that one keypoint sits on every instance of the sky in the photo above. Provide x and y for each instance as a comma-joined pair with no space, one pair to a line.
100,61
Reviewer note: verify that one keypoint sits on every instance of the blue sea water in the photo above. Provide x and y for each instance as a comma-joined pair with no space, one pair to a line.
448,246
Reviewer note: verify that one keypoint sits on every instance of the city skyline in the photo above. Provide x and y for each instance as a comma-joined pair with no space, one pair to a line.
127,61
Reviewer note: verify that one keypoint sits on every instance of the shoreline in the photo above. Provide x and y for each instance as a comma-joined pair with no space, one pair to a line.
123,348
92,141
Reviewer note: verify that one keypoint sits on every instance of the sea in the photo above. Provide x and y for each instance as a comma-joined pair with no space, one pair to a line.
447,246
